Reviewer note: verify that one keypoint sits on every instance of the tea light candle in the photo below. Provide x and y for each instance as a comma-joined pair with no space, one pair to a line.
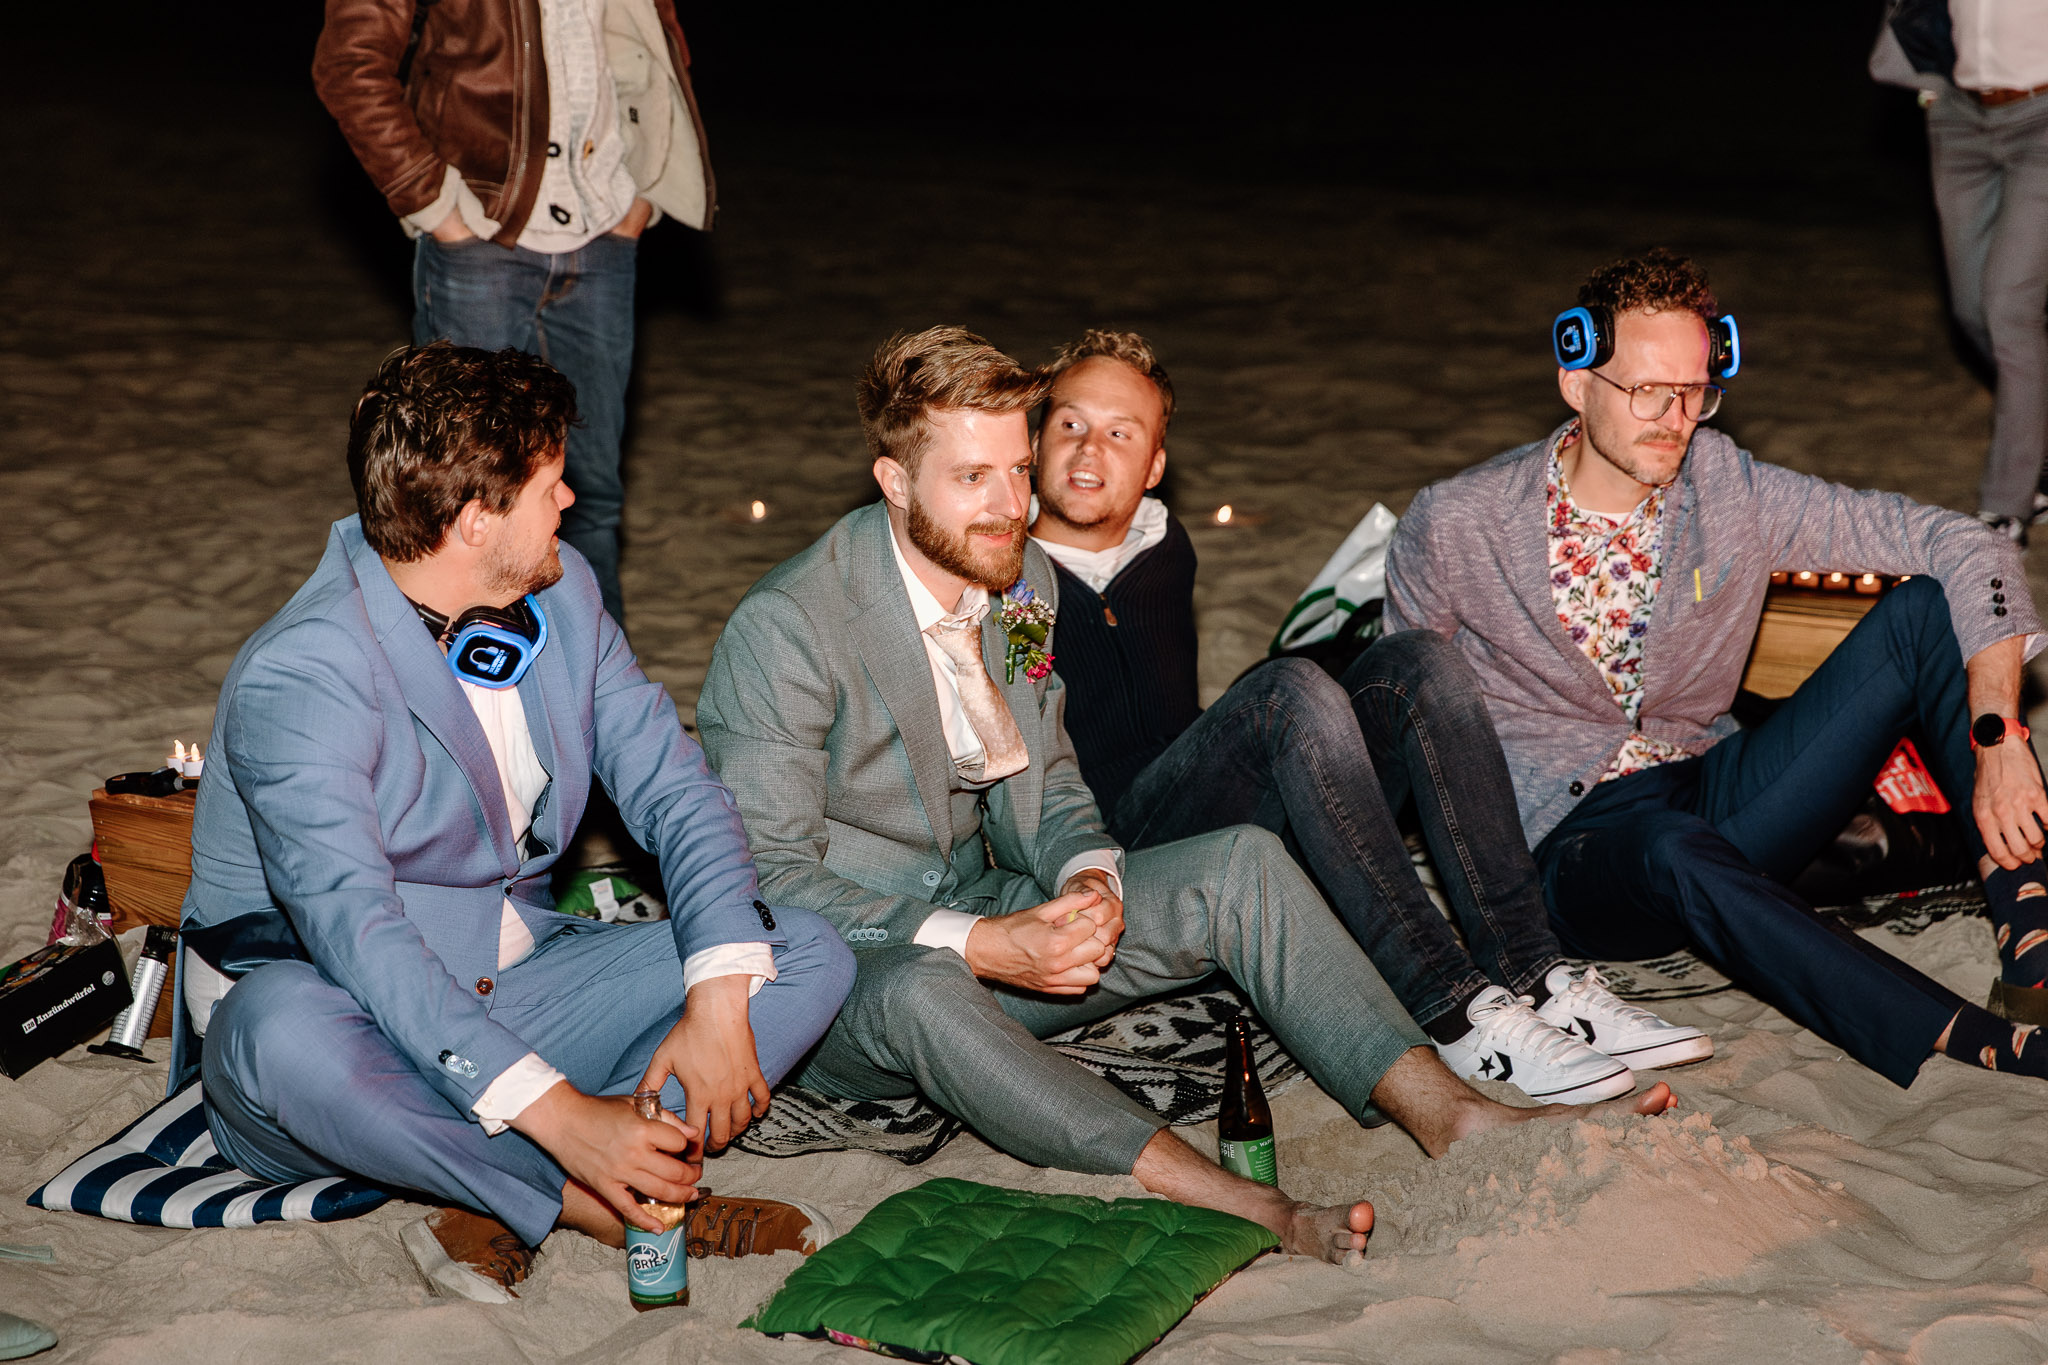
1836,582
176,761
1868,584
1780,579
1806,578
194,764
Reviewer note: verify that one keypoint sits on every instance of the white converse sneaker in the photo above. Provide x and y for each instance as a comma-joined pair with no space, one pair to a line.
1509,1041
1582,1006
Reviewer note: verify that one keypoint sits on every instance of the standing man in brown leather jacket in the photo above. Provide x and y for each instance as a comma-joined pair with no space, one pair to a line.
525,145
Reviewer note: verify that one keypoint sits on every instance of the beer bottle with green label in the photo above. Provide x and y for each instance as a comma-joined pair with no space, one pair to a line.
1244,1125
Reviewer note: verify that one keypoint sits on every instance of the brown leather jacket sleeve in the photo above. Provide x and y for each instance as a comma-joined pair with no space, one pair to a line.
355,71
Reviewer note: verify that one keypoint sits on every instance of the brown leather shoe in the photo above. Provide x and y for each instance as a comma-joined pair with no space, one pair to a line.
727,1225
466,1255
2018,1004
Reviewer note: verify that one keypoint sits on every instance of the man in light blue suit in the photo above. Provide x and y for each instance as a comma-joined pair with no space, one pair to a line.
398,758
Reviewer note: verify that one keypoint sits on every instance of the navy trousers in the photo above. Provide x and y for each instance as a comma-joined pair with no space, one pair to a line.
1696,854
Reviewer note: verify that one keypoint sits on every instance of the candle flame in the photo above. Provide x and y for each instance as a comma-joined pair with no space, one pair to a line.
757,509
1223,515
177,751
194,755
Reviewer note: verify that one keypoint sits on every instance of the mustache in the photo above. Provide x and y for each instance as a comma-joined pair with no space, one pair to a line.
1007,527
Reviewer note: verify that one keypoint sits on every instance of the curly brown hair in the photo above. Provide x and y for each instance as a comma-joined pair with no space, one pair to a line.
443,424
1658,281
943,369
1132,349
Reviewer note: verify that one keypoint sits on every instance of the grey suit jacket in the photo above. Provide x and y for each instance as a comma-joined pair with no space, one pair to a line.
820,713
352,814
1470,560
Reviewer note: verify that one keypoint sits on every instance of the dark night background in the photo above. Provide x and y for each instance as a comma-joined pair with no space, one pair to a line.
1767,105
1346,237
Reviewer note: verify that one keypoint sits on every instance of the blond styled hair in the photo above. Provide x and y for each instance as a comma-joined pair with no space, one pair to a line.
945,369
1132,349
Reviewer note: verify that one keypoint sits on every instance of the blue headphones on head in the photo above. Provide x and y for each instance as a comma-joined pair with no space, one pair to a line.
1583,338
490,646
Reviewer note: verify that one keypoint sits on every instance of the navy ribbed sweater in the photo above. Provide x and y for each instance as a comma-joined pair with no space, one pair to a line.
1127,657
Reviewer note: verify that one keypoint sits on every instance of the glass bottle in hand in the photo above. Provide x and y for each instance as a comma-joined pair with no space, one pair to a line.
657,1271
1244,1125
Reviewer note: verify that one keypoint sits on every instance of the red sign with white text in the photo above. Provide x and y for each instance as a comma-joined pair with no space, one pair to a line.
1907,786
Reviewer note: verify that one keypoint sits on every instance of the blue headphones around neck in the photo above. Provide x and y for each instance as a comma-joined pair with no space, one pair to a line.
491,646
1583,338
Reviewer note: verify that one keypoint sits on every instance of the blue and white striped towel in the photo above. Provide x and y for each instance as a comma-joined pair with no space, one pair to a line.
163,1170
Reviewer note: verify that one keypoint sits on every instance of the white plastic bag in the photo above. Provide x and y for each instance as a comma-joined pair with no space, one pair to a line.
1354,576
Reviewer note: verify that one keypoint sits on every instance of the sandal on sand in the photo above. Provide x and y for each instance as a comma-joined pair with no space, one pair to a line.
465,1255
2018,1004
19,1337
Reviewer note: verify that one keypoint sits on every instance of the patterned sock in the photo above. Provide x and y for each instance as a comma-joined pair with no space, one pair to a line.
2019,916
1981,1038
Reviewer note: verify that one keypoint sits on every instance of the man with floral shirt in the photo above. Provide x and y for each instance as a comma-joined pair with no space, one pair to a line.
1609,638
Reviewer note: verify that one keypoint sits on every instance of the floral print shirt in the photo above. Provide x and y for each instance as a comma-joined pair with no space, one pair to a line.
1604,573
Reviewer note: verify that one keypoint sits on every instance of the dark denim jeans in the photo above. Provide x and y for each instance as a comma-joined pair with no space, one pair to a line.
1695,853
573,309
1327,764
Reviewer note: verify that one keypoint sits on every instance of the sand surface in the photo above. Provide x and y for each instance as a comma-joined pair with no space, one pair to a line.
175,399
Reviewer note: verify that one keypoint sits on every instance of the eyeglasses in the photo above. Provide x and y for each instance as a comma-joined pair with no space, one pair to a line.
1648,402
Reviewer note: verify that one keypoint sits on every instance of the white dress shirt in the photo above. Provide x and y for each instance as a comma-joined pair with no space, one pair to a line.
503,718
1099,568
950,928
2000,44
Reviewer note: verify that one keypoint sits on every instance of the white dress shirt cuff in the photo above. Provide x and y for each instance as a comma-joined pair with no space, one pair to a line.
517,1086
731,959
1103,860
946,929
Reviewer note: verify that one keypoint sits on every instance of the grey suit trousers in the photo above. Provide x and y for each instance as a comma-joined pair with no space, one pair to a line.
1232,901
1991,187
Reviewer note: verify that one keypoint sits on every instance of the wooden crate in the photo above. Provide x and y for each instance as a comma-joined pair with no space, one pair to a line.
1799,629
145,845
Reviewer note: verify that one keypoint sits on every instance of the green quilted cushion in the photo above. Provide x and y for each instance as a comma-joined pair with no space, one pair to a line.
1002,1277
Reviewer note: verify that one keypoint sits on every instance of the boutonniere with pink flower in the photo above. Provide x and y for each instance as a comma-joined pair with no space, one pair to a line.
1026,621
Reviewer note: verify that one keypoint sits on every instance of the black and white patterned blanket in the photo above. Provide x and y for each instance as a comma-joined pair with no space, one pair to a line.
1167,1054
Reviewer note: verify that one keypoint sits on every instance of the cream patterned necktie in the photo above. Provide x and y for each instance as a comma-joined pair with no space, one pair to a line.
1002,747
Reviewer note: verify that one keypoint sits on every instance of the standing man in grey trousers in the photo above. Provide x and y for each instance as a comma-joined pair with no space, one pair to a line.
902,769
1983,69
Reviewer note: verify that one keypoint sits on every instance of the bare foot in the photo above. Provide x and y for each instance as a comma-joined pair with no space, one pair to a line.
1488,1115
1330,1234
1420,1093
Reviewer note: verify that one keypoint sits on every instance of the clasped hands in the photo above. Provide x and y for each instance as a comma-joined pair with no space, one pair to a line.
614,1153
1059,948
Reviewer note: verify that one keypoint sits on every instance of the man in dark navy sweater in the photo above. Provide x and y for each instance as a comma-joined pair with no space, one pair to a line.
1324,762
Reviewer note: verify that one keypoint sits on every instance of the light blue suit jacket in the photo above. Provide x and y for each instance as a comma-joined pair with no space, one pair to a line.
352,812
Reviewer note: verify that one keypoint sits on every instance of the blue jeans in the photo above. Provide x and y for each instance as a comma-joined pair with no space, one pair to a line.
573,309
1326,764
301,1083
1696,853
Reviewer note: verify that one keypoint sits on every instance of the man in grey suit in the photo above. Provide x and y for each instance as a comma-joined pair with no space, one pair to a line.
902,769
1605,584
373,958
